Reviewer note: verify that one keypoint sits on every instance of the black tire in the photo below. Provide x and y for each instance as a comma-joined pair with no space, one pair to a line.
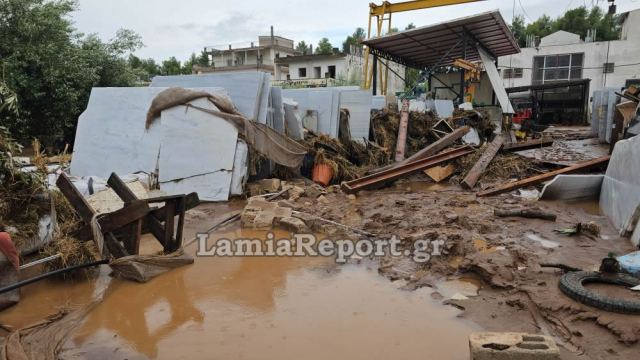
572,284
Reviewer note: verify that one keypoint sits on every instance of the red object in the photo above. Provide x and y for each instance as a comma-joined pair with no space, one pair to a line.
522,115
322,174
9,250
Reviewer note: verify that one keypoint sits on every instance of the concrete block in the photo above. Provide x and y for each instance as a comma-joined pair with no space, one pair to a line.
270,185
294,225
512,346
264,220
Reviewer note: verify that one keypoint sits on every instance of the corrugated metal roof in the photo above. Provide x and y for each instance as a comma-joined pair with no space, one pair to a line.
441,44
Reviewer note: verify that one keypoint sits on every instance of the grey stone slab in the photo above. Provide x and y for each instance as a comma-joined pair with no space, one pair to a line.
278,109
378,102
240,173
444,108
292,119
247,90
196,148
358,102
573,187
620,193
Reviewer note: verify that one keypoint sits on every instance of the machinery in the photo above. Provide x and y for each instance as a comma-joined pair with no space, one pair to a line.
471,77
382,13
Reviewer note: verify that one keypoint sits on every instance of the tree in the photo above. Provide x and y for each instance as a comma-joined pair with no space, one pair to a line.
187,66
171,66
203,59
324,47
353,40
50,69
519,31
302,47
410,26
578,21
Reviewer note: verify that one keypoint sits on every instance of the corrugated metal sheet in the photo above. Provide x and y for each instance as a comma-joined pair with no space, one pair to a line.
441,44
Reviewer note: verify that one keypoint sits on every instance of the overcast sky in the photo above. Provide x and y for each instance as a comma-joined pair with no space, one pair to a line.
178,28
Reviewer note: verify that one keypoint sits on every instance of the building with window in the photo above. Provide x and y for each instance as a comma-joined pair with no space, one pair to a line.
560,57
563,56
313,70
251,56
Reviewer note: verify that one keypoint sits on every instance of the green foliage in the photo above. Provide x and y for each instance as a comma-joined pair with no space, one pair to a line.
577,21
353,40
171,66
302,47
324,47
50,69
203,59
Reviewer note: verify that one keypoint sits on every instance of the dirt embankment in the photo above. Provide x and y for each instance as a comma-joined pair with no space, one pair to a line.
505,253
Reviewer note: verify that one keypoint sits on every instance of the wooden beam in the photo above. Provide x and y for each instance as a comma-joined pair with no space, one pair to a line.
524,145
480,166
534,180
134,231
75,198
386,176
119,218
430,150
191,201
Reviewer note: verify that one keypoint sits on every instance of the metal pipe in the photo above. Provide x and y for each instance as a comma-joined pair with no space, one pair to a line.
52,273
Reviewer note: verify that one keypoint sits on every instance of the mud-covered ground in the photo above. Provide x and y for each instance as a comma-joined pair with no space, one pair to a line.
504,253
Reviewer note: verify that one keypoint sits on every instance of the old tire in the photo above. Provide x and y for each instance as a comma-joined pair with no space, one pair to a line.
572,285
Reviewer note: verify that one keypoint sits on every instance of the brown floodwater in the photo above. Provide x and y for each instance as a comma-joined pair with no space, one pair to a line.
252,308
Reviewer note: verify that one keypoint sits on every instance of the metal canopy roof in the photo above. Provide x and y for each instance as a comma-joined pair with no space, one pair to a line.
441,44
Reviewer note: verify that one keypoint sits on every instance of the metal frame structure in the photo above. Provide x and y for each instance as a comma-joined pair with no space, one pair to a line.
382,13
431,47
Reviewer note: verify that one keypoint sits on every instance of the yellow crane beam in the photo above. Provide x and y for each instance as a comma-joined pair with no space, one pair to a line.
387,7
383,12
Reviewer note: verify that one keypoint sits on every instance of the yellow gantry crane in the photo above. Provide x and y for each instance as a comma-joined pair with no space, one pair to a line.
382,13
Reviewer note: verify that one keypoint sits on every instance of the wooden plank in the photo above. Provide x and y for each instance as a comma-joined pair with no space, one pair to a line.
75,198
181,212
398,172
169,226
114,246
534,180
439,173
191,201
134,231
480,166
529,144
134,211
121,189
430,150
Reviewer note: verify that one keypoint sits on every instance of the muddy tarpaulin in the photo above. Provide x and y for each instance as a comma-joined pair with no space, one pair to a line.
142,268
260,137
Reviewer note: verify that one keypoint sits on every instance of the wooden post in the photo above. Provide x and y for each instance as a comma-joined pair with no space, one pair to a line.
481,165
402,130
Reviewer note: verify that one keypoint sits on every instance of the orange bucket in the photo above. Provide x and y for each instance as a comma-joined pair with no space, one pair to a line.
322,174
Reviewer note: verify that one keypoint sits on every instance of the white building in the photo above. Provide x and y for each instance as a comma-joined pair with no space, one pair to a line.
327,70
565,56
260,57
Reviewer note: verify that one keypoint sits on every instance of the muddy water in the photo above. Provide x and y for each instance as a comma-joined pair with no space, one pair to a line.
254,308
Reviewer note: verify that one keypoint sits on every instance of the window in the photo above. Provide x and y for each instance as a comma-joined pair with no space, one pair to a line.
302,72
317,72
512,73
332,71
608,68
555,68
